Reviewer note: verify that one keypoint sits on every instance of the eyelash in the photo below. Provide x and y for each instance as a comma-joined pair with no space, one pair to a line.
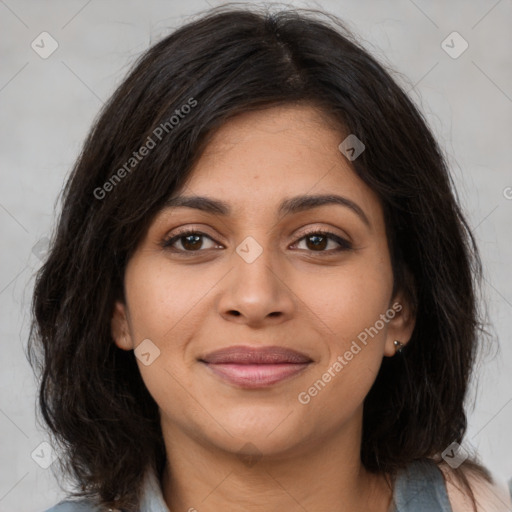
345,245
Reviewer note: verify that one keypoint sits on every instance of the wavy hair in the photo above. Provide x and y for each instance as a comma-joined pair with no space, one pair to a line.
229,61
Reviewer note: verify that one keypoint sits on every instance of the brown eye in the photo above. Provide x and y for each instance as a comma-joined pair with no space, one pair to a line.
191,241
317,241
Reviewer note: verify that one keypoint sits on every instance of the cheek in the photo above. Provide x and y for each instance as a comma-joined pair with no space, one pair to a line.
163,301
167,307
352,308
161,304
348,300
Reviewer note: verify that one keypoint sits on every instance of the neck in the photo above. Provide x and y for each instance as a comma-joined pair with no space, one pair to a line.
323,476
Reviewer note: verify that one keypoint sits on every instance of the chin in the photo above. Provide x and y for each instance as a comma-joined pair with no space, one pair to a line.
255,445
269,430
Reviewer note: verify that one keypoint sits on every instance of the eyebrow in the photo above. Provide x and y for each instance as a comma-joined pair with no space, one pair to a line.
288,206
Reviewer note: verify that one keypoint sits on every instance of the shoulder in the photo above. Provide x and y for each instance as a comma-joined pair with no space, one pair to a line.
75,506
489,497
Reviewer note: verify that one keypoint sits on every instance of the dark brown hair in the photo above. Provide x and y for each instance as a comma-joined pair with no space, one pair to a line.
229,61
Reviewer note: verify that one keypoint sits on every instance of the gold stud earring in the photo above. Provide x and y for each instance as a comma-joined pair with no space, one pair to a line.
398,346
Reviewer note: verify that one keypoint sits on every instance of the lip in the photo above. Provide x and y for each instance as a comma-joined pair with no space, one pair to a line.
255,367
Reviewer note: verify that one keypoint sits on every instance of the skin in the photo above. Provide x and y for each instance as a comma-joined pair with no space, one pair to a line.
489,497
291,296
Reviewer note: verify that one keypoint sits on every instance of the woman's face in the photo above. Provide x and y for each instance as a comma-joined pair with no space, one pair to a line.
260,275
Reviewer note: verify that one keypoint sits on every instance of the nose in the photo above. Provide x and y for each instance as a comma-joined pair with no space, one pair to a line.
257,292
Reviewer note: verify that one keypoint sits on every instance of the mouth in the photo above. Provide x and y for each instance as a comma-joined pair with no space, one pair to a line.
251,368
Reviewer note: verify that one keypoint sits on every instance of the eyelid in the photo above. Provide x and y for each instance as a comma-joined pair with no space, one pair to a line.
327,230
175,236
344,243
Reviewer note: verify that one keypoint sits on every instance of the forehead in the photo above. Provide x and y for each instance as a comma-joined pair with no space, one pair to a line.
257,159
257,162
278,138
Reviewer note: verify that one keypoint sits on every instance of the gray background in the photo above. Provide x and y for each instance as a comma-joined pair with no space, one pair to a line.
48,106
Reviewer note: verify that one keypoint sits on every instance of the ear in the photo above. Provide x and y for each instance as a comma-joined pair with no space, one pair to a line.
401,324
120,327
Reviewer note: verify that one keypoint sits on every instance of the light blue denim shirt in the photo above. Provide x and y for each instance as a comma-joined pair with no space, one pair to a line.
418,488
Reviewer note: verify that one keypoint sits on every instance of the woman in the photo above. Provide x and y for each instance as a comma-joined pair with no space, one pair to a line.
261,294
